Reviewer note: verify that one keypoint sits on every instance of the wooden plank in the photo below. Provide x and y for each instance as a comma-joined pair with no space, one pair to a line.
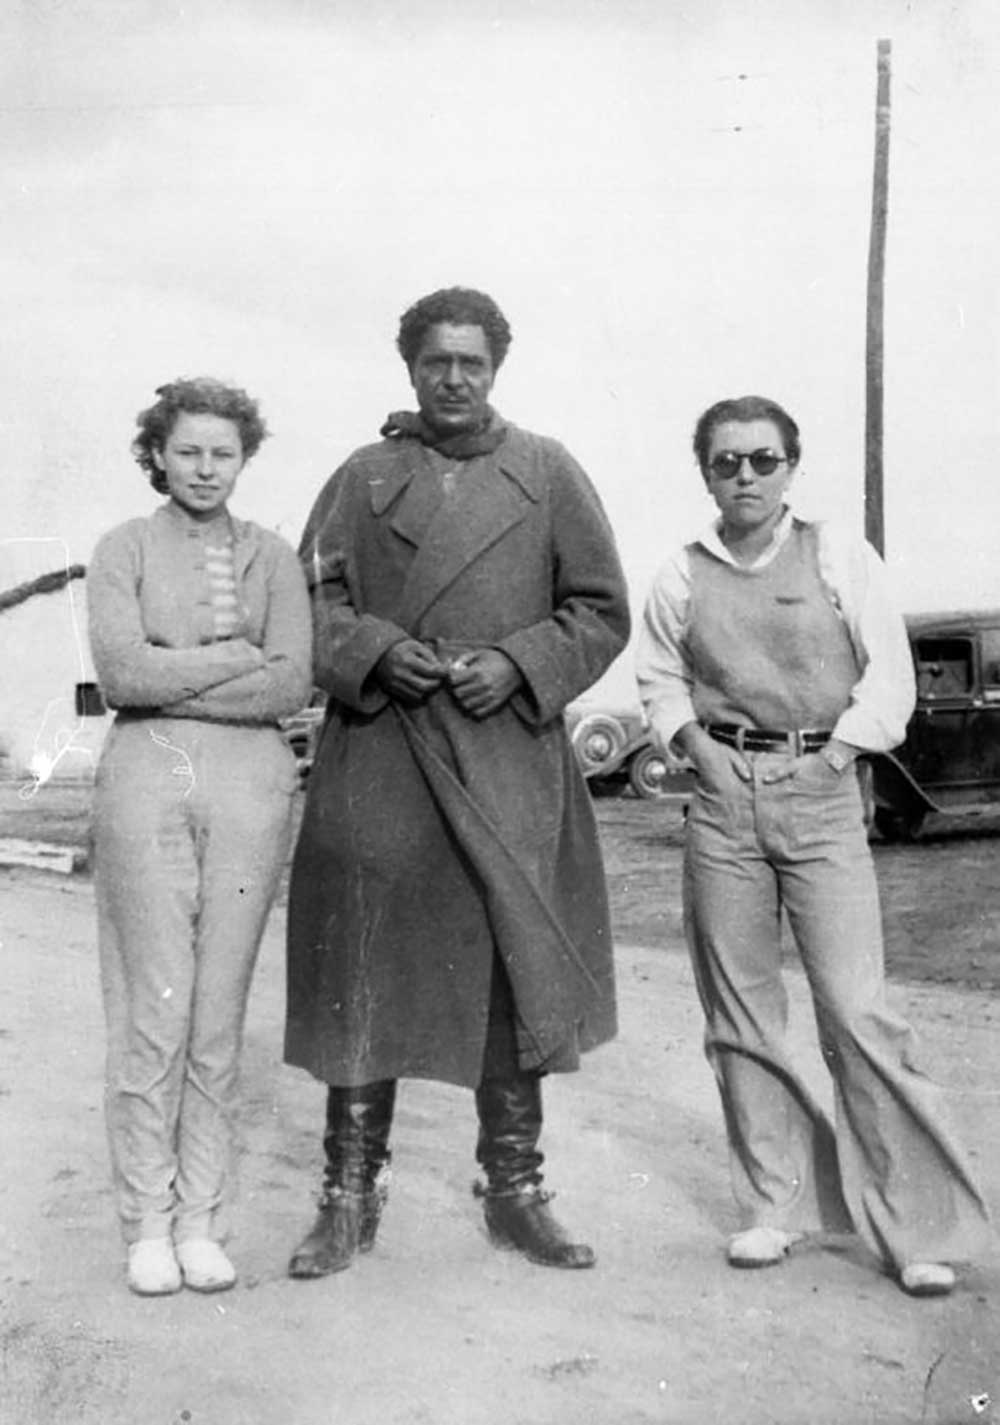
41,855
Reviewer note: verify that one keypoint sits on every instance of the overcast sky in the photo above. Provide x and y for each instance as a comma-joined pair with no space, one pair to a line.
669,198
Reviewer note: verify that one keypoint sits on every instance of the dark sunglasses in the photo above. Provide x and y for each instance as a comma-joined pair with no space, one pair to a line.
729,462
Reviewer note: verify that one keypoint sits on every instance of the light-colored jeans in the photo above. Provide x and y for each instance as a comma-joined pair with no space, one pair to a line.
890,1168
192,825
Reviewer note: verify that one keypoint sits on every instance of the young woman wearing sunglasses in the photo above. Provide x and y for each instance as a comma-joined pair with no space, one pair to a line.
770,655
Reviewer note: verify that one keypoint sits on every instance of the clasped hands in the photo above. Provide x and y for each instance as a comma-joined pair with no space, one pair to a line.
480,681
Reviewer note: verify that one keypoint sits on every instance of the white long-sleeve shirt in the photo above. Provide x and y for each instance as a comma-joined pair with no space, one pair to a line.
855,578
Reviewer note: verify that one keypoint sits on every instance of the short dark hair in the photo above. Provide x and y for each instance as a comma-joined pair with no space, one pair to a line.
458,307
745,408
196,396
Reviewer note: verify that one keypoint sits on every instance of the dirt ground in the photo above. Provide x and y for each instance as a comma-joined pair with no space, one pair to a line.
436,1327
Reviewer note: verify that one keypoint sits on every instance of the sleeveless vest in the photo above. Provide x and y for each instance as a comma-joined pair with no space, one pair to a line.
766,646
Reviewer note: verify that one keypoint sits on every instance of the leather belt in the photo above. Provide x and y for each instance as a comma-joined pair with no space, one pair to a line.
765,739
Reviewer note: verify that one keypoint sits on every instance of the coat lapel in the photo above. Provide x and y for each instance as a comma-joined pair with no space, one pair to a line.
388,480
421,496
487,501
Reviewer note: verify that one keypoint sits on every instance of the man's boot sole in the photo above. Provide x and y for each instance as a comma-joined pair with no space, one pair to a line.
301,1273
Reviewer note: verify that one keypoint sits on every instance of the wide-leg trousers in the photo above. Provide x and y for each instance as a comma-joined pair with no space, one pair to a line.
192,824
890,1166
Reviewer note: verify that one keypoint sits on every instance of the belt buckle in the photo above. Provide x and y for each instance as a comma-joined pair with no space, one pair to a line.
798,741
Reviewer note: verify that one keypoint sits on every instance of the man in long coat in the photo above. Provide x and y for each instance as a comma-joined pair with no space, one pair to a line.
448,915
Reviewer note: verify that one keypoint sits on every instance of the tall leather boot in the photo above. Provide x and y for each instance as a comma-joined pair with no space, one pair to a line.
516,1207
355,1181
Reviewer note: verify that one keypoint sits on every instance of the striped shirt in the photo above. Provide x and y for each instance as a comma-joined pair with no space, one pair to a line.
222,587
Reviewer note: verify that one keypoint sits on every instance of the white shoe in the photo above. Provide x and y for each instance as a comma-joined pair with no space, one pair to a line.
152,1267
204,1265
760,1247
927,1279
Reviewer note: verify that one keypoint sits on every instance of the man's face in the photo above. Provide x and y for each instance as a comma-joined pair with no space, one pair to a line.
452,377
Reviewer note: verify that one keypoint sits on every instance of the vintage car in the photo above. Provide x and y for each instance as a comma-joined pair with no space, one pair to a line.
950,761
613,748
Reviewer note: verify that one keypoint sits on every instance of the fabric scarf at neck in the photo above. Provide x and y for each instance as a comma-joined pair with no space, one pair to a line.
464,445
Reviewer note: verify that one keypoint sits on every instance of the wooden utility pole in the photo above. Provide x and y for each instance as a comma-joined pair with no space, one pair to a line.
874,516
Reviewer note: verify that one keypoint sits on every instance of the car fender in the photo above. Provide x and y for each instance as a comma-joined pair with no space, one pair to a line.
895,786
614,728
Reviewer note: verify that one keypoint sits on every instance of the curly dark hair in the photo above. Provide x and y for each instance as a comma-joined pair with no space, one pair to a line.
457,306
745,408
197,396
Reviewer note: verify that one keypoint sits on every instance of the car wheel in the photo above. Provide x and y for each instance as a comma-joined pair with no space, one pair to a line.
893,825
598,741
649,774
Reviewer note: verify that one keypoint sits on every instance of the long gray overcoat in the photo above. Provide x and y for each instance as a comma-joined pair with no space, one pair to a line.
431,840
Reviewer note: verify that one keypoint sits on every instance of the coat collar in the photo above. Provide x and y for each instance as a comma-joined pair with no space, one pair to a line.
492,494
399,461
